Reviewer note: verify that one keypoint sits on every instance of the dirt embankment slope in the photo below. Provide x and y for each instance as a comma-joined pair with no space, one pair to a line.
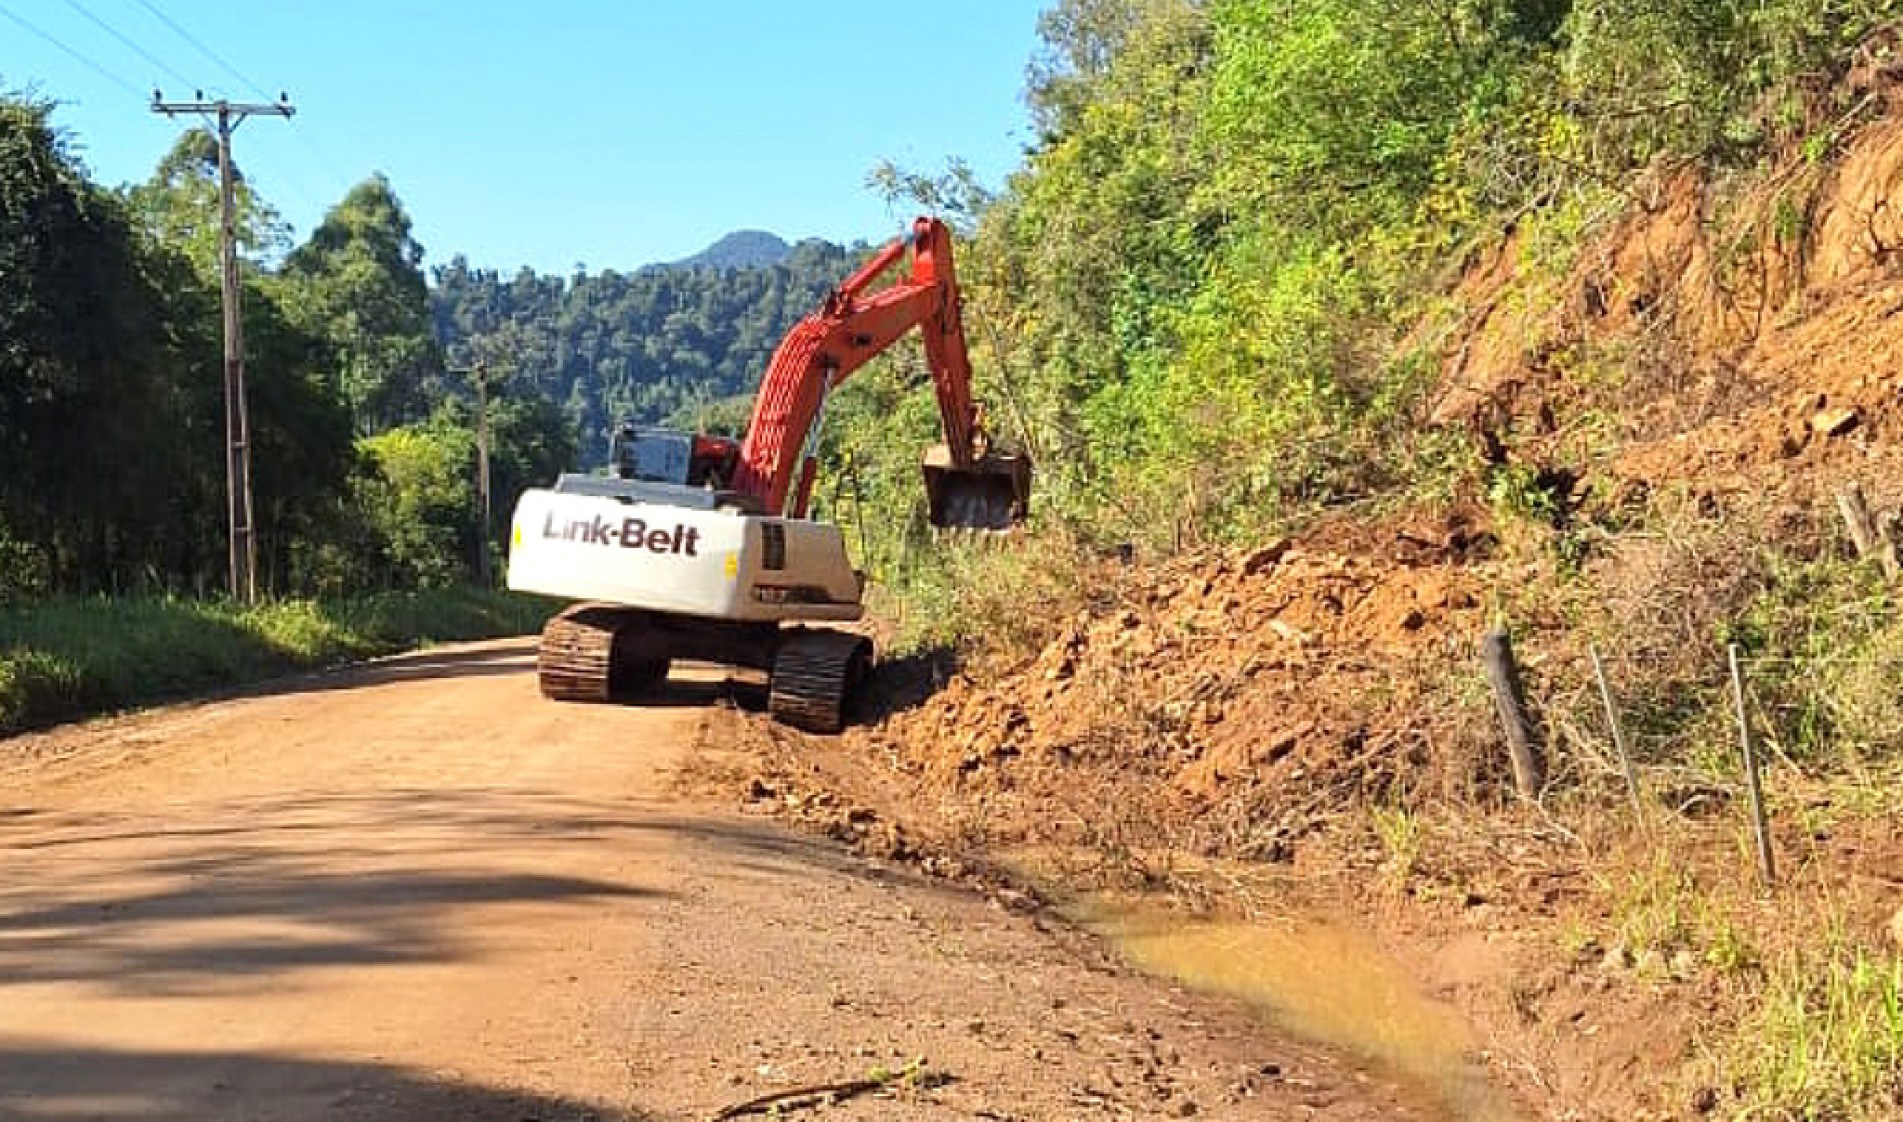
1302,726
1733,337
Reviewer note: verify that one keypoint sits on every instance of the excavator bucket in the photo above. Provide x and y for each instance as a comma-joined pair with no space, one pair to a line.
993,494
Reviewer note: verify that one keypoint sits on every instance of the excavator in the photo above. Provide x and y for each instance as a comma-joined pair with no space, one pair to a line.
698,547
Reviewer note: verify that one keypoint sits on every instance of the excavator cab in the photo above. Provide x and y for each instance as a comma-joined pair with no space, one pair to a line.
659,455
992,494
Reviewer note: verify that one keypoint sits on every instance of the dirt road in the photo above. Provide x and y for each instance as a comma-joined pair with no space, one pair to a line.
415,890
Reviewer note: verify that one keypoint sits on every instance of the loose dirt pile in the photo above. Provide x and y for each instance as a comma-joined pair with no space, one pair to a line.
1223,705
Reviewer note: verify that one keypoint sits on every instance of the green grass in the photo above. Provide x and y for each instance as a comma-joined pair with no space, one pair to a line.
1826,1041
1665,924
1400,832
67,658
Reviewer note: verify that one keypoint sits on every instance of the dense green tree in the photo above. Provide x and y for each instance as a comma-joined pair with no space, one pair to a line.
178,207
1080,42
303,459
1196,285
359,285
1099,237
530,444
302,454
91,394
417,500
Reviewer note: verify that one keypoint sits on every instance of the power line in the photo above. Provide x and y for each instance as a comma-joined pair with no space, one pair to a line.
296,126
303,135
133,46
323,157
298,130
203,49
80,58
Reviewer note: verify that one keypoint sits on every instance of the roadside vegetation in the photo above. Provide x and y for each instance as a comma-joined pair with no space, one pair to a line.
361,374
68,657
1213,300
361,387
112,485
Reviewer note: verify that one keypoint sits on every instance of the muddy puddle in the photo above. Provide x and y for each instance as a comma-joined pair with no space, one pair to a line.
1321,983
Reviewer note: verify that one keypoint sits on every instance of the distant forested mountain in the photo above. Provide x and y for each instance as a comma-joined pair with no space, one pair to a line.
742,249
664,341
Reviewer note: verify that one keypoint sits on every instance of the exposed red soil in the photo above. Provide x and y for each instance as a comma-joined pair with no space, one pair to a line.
1214,684
1758,330
1236,715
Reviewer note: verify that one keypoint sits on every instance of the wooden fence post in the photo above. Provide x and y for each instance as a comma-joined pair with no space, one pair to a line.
1529,773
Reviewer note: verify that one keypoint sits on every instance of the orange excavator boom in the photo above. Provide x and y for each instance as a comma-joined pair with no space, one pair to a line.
968,484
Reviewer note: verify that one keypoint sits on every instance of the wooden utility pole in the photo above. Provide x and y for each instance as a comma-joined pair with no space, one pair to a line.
482,470
243,576
479,380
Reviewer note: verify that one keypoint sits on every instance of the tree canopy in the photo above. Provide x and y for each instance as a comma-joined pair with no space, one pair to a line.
1194,297
360,374
358,284
660,343
111,387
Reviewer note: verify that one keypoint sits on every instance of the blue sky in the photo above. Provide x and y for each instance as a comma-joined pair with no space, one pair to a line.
558,132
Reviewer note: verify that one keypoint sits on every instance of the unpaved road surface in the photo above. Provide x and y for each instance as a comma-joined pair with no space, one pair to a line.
416,890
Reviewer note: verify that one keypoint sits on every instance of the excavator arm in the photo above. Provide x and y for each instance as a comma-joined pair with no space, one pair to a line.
967,483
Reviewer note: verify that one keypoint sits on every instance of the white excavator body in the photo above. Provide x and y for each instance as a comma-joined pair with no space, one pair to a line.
675,549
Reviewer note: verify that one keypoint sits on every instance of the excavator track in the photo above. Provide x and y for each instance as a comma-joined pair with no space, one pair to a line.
814,674
575,658
591,652
601,652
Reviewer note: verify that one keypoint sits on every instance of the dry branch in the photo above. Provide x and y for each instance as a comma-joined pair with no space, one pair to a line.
794,1096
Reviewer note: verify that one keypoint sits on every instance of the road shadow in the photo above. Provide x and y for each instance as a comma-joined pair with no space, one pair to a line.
42,1081
894,685
699,686
251,896
257,898
691,685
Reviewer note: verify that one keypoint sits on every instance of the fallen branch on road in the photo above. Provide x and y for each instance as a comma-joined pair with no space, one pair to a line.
816,1093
